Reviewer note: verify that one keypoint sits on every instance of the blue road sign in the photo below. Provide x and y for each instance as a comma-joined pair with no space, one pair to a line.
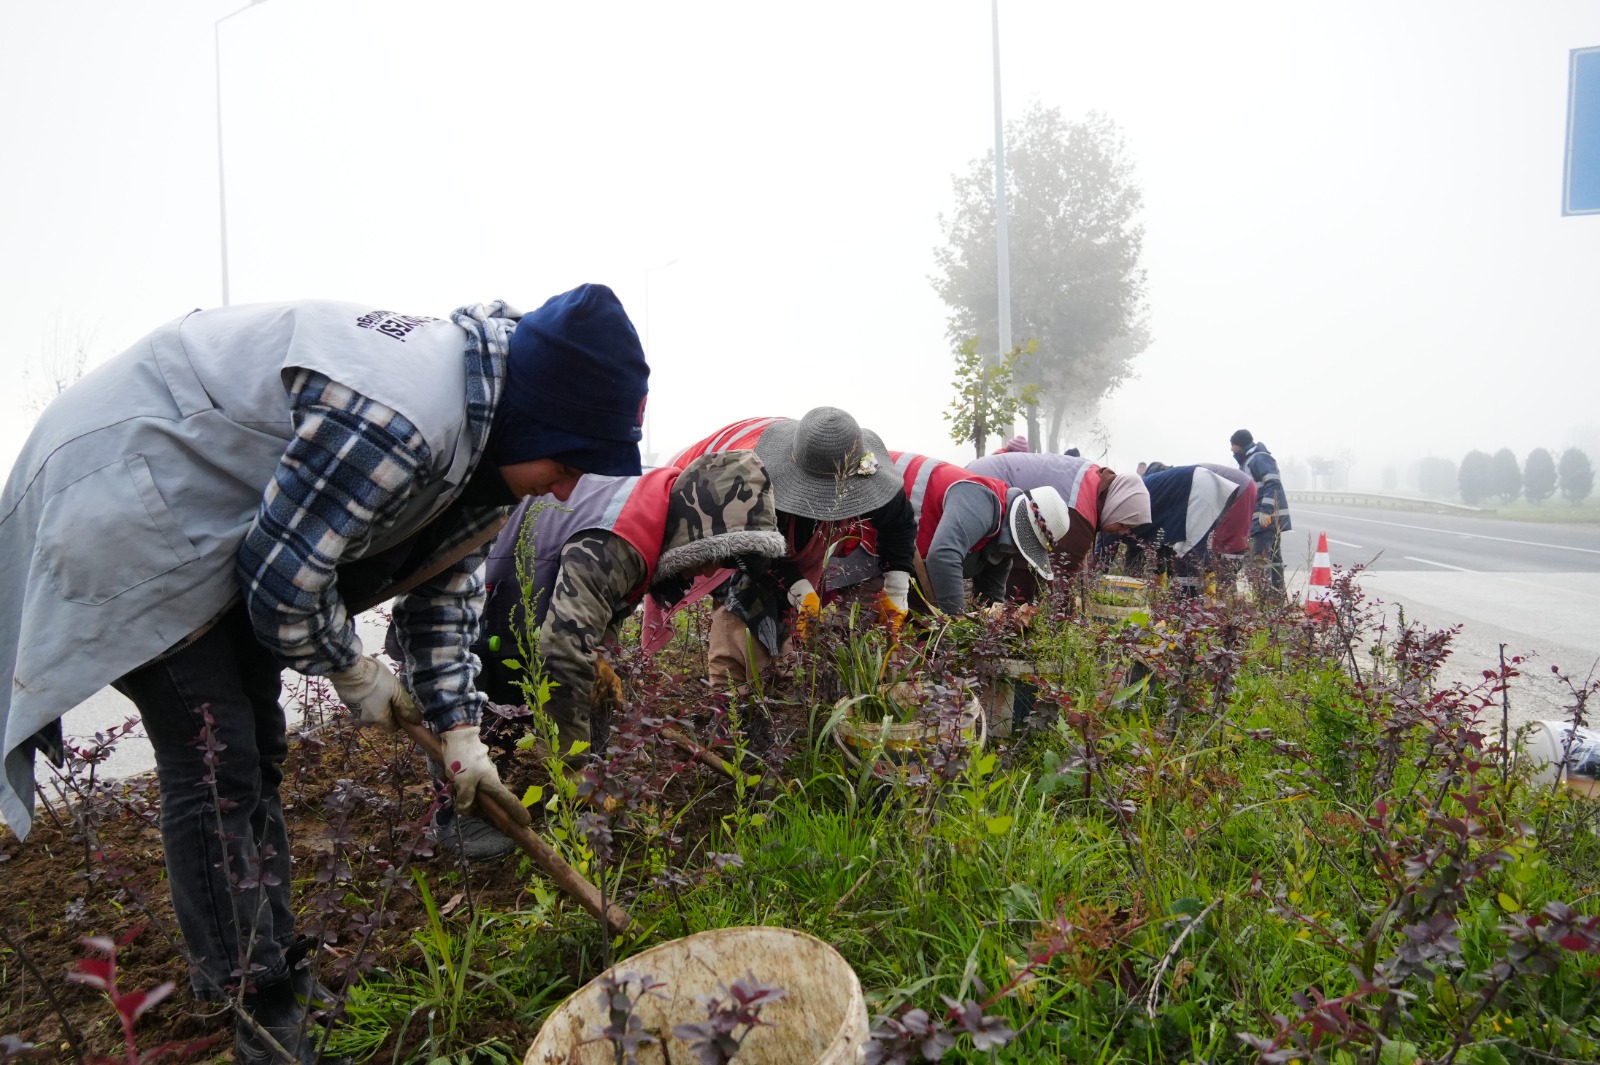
1580,191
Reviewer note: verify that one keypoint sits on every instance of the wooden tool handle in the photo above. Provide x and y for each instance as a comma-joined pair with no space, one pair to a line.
565,876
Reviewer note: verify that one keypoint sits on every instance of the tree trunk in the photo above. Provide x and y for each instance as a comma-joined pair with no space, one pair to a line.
1033,427
980,433
1057,416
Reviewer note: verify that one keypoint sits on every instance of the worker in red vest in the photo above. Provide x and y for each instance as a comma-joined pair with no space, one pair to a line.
1100,500
828,475
969,526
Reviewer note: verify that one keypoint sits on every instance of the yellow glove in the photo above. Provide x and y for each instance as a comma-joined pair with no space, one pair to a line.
807,608
893,602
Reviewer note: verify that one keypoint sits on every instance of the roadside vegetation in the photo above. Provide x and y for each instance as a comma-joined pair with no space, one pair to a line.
1220,832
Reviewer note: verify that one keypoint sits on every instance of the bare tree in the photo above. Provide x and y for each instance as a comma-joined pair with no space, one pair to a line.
63,357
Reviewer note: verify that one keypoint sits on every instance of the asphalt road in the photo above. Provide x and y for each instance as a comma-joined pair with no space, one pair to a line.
1389,540
1532,586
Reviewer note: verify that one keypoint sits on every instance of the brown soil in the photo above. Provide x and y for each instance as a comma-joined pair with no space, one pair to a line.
56,889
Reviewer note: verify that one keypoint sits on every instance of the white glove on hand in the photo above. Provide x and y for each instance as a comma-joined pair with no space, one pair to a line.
472,775
798,593
897,588
371,689
807,608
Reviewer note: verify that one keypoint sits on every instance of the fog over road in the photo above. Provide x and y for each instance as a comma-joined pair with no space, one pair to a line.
1533,586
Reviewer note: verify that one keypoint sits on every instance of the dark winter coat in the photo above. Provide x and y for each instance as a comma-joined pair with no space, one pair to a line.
1272,502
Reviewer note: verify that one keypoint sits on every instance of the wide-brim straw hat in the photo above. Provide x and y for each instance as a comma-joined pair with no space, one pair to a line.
1039,519
826,467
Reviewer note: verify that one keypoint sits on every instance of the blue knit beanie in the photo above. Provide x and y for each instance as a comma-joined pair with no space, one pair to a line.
576,381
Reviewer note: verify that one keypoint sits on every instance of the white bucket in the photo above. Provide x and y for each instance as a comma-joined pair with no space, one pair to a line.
1548,741
822,1020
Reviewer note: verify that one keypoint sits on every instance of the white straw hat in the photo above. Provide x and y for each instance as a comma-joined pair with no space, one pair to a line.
1039,519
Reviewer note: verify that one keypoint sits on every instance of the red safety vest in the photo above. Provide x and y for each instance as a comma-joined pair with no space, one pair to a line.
740,436
927,481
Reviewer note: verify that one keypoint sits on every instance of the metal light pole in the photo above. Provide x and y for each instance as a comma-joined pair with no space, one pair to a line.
222,184
1002,240
649,447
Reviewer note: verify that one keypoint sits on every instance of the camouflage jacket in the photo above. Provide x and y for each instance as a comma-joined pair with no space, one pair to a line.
588,563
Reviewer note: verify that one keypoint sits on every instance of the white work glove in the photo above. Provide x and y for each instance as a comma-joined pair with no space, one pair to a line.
375,694
473,775
799,592
897,589
807,607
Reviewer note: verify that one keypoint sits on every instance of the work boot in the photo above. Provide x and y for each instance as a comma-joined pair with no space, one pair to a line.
277,1011
472,838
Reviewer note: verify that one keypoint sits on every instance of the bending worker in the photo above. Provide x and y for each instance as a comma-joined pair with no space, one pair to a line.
827,473
261,473
970,526
589,561
1231,537
1186,503
1101,501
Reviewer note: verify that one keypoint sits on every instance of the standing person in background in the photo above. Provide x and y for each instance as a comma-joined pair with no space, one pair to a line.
827,473
1272,502
213,505
1016,443
1101,501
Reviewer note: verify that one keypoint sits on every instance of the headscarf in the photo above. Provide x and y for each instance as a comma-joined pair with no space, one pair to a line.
1127,502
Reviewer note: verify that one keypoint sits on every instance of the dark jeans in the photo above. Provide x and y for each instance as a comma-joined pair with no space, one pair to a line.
1268,543
227,671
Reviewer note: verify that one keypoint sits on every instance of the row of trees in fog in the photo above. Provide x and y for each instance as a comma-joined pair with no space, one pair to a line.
1484,478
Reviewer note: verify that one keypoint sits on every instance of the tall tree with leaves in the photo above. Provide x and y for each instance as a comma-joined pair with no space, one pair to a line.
1505,476
1577,475
1539,476
1437,478
1476,477
1076,284
987,395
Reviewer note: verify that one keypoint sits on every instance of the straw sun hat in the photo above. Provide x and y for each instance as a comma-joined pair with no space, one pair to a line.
1039,519
826,467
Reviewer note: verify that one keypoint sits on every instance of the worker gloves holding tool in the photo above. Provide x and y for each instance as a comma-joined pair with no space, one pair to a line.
472,774
371,689
807,608
377,697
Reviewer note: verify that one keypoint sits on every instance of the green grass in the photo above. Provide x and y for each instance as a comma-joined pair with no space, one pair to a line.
1556,510
1185,871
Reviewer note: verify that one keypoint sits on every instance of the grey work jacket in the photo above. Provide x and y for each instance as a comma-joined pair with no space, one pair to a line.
121,519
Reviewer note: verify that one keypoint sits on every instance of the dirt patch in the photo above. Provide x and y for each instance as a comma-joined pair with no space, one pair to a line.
102,873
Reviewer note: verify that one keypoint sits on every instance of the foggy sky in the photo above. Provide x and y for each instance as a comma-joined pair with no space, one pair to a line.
1352,210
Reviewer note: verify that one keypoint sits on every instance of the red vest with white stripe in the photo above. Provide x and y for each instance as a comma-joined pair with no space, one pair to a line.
740,436
927,481
634,508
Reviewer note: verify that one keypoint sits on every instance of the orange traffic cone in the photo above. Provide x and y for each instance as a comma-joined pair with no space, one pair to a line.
1319,593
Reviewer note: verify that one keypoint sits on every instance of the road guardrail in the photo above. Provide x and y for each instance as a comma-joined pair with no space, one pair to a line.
1375,499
